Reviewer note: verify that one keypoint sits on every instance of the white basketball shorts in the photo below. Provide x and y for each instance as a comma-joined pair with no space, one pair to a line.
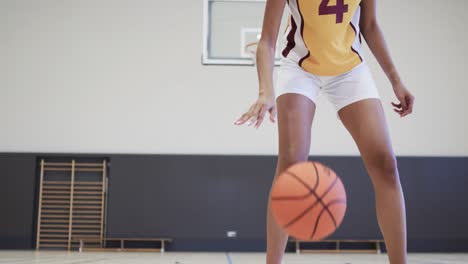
341,90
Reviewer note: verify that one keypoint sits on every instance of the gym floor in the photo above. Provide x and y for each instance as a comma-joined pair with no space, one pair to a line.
61,257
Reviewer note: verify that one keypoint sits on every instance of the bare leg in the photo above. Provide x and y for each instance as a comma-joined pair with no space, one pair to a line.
365,120
295,115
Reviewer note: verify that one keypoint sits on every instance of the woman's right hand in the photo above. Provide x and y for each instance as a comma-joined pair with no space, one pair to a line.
265,62
256,113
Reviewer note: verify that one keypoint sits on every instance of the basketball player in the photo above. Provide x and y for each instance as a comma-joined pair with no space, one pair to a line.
322,53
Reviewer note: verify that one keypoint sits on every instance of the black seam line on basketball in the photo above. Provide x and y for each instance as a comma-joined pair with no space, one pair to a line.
293,221
325,193
355,36
329,189
311,189
286,198
321,213
319,200
316,176
291,43
338,201
302,33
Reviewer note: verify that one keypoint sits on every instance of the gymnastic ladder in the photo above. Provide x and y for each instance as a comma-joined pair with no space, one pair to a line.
70,206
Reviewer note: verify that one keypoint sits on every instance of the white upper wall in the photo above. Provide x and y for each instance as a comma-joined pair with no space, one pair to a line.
126,77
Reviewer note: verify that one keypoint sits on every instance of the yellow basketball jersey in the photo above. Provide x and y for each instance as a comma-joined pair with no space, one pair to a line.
323,36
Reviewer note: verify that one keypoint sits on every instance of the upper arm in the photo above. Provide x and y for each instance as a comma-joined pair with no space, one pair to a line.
272,20
368,15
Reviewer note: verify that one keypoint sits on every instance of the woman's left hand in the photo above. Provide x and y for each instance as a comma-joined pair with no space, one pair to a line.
405,107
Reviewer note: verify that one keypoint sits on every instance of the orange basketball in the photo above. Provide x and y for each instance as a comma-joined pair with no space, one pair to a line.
308,201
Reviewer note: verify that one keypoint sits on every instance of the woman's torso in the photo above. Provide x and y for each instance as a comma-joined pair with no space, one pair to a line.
323,36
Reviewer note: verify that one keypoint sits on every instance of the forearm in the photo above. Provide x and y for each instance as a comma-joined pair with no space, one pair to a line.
376,42
265,64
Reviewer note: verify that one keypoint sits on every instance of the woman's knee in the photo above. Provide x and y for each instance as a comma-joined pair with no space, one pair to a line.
384,166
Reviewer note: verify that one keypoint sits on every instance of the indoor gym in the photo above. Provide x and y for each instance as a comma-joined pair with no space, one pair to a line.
118,143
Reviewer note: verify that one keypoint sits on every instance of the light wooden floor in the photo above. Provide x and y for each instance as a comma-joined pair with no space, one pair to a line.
61,257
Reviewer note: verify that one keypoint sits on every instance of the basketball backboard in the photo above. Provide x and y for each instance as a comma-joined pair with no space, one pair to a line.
229,26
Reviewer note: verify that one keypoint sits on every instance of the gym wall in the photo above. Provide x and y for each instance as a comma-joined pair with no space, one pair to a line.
126,77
